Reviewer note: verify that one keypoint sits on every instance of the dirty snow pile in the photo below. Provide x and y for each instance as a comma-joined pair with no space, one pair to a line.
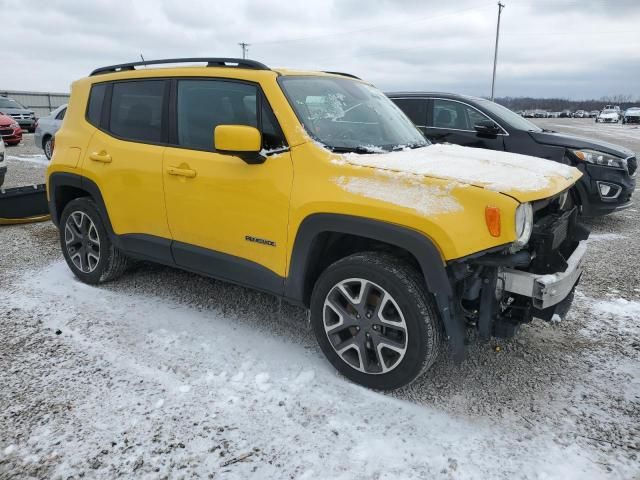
491,169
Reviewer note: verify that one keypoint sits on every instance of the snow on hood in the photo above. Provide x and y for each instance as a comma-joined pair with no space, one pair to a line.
493,170
404,192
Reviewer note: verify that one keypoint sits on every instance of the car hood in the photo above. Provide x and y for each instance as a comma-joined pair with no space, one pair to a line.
635,113
15,110
522,177
570,141
6,120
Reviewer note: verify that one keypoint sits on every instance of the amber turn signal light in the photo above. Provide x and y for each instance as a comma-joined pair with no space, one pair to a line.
492,217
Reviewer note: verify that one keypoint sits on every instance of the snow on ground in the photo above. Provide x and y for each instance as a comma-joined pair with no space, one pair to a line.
40,159
210,384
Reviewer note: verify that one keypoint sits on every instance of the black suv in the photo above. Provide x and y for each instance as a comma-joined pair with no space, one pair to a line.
609,170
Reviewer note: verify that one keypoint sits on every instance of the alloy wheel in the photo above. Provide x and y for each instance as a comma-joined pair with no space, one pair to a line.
365,326
48,148
82,241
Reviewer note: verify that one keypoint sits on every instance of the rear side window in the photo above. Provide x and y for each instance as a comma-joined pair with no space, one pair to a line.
205,104
61,114
414,108
136,110
96,98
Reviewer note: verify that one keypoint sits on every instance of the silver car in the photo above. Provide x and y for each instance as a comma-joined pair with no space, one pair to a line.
46,129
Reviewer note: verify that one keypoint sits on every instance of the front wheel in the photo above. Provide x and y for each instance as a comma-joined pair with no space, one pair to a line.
375,321
86,246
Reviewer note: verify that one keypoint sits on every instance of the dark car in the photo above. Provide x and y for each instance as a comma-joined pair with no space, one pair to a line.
631,115
26,118
609,170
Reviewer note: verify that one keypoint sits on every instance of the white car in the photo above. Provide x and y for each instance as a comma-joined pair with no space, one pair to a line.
3,167
608,115
46,128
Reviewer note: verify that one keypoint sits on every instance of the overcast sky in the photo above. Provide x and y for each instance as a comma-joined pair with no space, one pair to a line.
567,48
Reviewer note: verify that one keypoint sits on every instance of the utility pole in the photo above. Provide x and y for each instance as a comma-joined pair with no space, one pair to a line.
245,49
495,53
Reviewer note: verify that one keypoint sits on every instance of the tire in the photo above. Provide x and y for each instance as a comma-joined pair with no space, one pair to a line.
408,306
47,146
86,245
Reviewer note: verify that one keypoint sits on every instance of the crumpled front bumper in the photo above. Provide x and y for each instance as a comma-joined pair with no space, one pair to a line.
546,290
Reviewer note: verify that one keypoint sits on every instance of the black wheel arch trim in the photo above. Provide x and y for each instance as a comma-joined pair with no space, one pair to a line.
64,179
417,244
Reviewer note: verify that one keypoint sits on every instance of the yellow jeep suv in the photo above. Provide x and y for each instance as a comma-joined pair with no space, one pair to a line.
316,188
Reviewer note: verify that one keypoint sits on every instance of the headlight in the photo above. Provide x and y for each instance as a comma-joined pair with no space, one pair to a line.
524,224
599,158
14,125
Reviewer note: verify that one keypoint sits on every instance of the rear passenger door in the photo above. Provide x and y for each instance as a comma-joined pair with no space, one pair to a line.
124,157
227,218
452,121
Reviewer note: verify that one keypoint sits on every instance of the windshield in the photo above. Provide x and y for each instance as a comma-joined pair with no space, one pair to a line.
344,114
609,111
9,103
512,118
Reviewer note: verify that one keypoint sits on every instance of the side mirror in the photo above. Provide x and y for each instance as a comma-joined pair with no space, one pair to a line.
487,127
239,140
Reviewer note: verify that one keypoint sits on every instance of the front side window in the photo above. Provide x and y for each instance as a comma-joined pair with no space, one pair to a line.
61,114
205,104
346,114
136,110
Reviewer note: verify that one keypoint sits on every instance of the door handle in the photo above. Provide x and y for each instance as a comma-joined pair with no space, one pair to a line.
102,157
182,172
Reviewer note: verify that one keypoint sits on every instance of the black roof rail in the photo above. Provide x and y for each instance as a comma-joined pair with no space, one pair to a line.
211,62
344,74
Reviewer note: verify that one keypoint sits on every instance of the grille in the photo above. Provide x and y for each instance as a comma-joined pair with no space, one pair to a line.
632,165
6,131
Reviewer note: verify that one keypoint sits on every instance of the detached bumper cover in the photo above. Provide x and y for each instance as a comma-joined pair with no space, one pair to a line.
546,290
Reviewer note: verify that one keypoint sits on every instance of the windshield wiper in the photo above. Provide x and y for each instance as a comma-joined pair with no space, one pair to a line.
409,145
351,149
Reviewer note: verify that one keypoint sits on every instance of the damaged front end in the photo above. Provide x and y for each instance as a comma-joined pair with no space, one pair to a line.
498,291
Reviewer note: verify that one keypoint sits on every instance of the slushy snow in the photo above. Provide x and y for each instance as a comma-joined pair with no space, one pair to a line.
499,171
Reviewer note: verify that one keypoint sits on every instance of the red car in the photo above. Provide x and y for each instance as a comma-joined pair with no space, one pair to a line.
10,131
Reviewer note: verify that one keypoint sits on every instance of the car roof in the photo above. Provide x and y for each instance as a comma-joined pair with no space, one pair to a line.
186,66
418,94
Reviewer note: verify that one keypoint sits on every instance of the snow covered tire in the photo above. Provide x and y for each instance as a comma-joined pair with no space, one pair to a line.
417,338
86,245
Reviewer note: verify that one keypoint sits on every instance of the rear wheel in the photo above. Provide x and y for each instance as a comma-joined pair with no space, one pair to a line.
374,320
86,246
47,146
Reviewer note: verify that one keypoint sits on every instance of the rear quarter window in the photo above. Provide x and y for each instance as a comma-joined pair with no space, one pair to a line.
96,99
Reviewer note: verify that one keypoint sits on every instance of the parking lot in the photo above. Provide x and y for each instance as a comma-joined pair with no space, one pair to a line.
168,374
